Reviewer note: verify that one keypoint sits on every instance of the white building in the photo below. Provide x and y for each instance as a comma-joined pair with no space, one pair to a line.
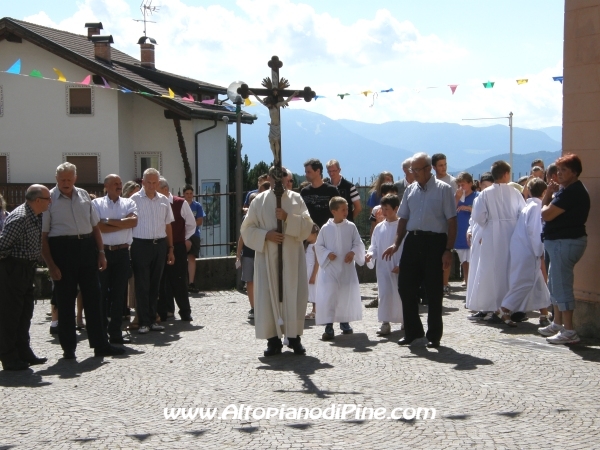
44,122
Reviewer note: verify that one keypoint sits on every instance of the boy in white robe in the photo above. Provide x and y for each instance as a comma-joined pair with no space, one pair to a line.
384,235
527,288
496,212
338,247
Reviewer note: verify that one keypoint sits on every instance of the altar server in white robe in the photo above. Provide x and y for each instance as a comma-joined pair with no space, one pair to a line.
474,240
338,247
384,235
496,212
274,318
527,288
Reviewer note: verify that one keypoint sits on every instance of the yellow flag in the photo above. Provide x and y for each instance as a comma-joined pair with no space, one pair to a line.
522,81
365,93
61,77
247,102
171,94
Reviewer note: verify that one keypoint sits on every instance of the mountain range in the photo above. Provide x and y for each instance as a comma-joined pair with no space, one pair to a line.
364,149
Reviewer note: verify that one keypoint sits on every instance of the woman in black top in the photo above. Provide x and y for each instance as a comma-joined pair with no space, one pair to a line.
565,240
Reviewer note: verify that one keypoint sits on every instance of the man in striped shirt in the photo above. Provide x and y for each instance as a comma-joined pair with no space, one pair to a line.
346,189
20,249
152,246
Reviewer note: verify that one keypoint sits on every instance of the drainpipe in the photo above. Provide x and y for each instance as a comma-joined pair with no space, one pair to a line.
196,152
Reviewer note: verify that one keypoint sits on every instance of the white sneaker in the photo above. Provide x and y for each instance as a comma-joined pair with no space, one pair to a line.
156,327
385,329
564,337
550,330
143,330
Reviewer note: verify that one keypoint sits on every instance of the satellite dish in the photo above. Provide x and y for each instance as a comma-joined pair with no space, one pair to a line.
232,92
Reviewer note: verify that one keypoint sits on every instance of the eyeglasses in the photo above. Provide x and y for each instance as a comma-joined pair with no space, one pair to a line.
415,170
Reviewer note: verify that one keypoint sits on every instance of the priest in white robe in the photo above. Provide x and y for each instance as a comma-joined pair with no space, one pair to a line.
496,212
273,318
338,290
527,288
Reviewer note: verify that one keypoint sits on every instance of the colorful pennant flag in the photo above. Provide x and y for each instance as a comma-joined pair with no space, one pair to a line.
124,89
247,102
36,74
15,68
388,90
86,80
489,84
209,102
189,98
523,81
558,79
170,95
60,75
365,93
319,96
453,88
342,95
106,85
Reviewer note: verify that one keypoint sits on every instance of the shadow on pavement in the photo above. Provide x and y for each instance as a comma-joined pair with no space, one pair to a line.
358,342
72,368
21,378
446,355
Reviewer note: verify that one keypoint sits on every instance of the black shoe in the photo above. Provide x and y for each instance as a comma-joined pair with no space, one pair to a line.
111,350
120,340
346,328
35,361
433,344
193,289
329,333
519,317
69,354
274,346
407,341
187,318
296,345
495,319
53,330
17,364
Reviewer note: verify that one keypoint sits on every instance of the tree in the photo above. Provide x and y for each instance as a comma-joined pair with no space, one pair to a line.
233,163
258,170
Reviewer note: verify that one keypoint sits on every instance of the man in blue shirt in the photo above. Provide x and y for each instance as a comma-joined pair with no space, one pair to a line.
194,251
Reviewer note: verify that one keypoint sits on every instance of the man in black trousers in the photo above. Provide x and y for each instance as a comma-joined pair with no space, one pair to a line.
74,253
428,214
20,249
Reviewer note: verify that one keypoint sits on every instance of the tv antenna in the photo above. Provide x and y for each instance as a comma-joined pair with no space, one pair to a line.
147,9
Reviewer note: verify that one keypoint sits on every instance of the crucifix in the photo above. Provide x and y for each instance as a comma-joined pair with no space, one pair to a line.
274,90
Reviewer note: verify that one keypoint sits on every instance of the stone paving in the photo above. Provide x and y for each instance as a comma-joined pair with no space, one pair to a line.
491,387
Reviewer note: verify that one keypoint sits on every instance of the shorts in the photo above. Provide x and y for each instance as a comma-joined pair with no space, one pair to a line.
195,248
247,269
564,254
464,254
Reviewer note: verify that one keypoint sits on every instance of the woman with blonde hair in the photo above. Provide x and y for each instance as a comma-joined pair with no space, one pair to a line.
375,192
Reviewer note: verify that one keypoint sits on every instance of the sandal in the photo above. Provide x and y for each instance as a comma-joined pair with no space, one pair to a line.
504,316
310,316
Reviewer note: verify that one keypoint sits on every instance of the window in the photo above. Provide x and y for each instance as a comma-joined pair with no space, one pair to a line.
3,168
87,168
146,160
80,100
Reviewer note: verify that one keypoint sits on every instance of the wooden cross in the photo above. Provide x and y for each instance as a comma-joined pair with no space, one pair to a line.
274,90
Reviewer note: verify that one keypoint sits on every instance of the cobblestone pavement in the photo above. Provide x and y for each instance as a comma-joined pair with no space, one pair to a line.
491,387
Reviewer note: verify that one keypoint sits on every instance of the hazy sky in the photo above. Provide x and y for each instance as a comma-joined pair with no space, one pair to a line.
351,46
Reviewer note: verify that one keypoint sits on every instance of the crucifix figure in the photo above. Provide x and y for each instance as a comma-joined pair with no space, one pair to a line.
273,92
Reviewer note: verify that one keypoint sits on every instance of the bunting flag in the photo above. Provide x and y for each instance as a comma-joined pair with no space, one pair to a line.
388,90
36,74
171,94
189,98
124,89
558,79
15,68
209,102
59,74
365,93
453,88
319,96
488,84
247,102
86,80
522,81
342,95
106,85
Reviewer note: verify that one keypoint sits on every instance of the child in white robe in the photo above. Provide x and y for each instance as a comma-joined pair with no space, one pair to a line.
527,290
338,247
384,235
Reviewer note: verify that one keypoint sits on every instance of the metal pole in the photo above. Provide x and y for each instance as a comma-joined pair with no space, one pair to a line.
239,188
510,117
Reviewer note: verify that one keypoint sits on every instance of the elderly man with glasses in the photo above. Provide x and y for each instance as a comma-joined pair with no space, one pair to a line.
428,220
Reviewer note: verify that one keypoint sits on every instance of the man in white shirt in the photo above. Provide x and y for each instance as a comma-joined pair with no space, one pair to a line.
118,215
173,281
152,246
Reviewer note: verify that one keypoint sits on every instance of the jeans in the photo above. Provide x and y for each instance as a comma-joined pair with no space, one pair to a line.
564,254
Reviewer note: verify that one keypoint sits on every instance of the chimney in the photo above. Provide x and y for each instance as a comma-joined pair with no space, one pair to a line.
147,52
102,47
93,28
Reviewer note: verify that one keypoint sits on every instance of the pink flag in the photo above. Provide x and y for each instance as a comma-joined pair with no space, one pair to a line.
209,102
453,87
86,80
189,98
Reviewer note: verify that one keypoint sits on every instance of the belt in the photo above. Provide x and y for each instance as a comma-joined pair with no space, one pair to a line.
73,236
153,241
25,261
423,233
111,248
